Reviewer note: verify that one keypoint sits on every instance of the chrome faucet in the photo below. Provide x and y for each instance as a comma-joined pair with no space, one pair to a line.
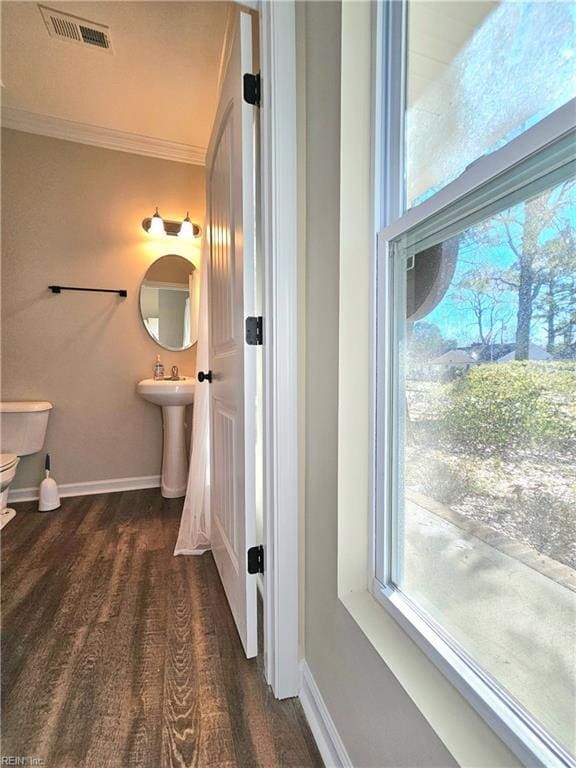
175,376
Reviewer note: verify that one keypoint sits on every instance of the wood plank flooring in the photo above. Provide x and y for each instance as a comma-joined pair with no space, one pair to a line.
117,654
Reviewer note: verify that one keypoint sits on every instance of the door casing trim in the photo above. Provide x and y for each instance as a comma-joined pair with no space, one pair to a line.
280,353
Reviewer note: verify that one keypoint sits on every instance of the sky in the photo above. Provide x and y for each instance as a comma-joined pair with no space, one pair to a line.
456,320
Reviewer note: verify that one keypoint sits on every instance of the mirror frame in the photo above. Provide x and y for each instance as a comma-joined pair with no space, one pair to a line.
154,339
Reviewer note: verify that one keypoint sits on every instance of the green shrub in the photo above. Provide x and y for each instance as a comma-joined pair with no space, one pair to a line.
519,405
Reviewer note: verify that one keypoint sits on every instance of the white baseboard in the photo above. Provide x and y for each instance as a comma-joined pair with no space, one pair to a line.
327,738
89,488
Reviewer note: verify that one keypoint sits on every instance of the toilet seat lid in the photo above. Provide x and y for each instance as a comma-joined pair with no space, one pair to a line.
7,460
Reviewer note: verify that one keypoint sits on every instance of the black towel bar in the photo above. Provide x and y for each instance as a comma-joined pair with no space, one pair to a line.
60,288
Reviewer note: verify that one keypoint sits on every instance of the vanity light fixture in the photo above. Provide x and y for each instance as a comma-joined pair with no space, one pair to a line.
186,228
156,225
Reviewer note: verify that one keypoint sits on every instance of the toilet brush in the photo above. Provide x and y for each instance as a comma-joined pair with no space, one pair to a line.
49,496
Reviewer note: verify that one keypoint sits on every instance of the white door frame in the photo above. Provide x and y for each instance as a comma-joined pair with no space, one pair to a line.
280,323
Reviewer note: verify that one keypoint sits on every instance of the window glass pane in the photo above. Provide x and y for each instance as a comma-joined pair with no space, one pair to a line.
486,440
478,75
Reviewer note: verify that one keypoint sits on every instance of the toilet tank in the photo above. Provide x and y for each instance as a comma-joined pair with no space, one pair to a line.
23,426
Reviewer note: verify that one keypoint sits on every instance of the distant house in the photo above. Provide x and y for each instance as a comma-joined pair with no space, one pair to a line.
463,357
489,353
504,353
535,352
457,358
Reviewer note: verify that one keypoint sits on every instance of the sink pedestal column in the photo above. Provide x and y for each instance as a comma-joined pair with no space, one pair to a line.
174,457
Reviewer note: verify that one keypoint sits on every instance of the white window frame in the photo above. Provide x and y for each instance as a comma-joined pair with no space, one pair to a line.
529,741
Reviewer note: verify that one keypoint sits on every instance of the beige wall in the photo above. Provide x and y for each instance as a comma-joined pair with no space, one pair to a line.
378,722
71,214
391,705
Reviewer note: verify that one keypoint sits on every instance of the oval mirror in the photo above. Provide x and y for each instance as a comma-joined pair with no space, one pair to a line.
168,303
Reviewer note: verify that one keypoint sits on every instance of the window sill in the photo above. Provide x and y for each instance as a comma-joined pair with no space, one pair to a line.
461,729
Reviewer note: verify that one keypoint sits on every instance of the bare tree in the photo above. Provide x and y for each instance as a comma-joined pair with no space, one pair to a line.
557,305
477,291
540,235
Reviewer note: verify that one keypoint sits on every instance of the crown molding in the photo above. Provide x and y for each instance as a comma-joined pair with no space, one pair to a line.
98,136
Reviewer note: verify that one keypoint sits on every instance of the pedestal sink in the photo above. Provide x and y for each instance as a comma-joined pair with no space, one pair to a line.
173,397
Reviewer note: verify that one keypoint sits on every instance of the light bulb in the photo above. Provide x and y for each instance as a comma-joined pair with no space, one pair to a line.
186,228
156,225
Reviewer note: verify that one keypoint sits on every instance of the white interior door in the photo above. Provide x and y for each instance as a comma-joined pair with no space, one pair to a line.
231,232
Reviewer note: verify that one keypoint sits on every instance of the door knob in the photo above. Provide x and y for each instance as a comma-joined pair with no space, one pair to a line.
202,376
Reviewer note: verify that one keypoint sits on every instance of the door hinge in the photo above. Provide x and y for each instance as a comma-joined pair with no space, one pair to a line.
254,332
252,89
256,559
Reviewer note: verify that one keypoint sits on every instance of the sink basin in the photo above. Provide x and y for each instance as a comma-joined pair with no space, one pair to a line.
173,396
167,392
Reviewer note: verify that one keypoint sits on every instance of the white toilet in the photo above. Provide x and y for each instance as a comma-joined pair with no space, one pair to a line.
22,432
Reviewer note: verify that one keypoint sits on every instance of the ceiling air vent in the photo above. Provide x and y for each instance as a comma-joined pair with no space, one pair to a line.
75,29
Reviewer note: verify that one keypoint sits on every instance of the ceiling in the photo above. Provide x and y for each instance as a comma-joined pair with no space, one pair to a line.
160,81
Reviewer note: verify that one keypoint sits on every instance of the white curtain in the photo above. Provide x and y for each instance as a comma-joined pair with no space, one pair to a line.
194,534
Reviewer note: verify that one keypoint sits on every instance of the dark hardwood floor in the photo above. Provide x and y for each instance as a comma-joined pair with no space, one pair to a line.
117,654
